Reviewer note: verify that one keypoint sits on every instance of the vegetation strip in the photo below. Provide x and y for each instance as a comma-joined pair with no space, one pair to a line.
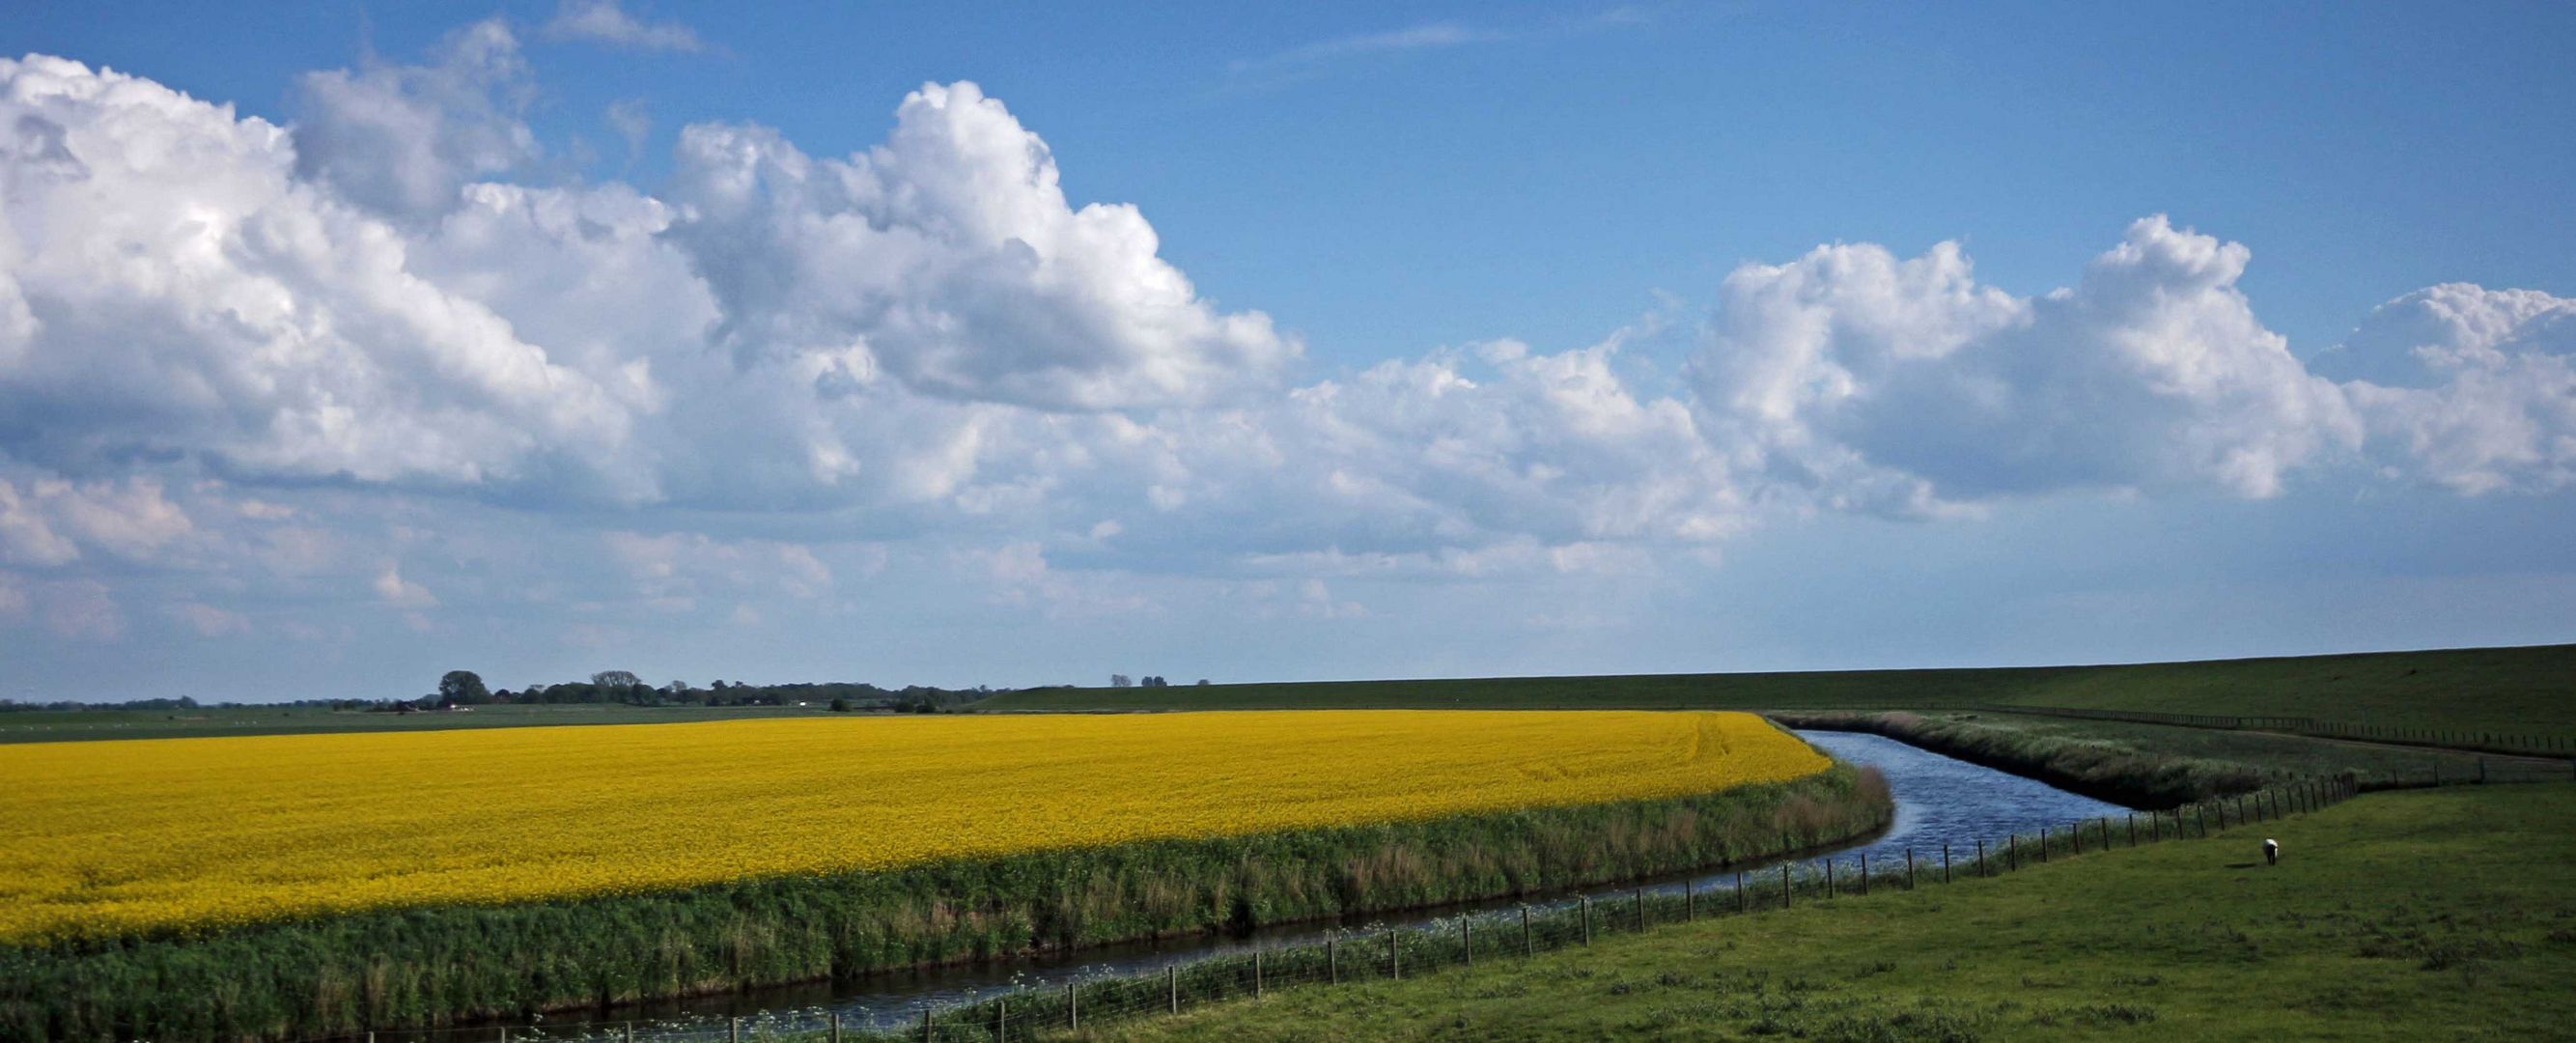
2104,770
2396,917
427,966
1392,954
2527,691
2505,743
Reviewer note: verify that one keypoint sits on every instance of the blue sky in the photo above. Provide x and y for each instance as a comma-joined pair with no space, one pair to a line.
709,343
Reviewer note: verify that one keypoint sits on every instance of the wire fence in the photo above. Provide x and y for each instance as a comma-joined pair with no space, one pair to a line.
1463,942
2558,746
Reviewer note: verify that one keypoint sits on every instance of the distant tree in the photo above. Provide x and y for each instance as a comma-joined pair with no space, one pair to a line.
1202,682
1119,681
616,679
840,705
462,688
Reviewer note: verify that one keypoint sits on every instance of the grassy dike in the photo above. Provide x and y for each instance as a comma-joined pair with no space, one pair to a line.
2522,691
2407,915
430,966
2147,775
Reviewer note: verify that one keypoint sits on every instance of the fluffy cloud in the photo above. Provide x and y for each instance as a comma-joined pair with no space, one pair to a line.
1459,449
404,139
188,293
52,519
948,259
1905,386
710,390
2468,388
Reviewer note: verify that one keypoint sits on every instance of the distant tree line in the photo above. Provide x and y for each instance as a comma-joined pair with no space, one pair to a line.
1150,681
465,688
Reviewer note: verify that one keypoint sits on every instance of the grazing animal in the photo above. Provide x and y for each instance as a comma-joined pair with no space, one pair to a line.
2271,852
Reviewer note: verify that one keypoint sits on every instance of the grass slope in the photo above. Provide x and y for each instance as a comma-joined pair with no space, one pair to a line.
2521,690
2446,914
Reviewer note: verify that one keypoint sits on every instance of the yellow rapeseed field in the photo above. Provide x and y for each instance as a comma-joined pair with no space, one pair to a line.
102,838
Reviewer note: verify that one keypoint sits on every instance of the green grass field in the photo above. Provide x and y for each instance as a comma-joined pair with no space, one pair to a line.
2415,915
2277,754
2519,690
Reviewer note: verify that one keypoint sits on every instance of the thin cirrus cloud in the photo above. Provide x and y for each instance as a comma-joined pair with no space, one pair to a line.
1423,37
290,355
603,21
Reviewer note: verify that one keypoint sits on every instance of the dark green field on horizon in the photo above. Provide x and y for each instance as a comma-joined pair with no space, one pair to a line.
2524,691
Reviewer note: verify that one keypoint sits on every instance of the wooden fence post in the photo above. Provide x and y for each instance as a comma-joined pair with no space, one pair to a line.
1981,857
1587,920
1784,885
2075,833
2043,844
836,1027
2012,853
1528,947
1466,943
1864,874
1073,1006
1002,1020
1256,965
1742,903
1945,861
1394,957
1909,869
1332,961
733,1030
1172,975
1690,903
2133,828
925,1024
1641,910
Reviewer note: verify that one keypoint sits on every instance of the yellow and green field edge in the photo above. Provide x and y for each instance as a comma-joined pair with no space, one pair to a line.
1381,959
430,966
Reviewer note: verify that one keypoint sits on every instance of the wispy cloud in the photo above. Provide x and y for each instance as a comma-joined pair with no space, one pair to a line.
1425,37
605,22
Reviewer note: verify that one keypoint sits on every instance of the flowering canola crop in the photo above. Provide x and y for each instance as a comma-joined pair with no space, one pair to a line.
105,838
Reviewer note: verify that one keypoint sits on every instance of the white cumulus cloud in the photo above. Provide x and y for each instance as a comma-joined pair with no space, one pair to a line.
1905,386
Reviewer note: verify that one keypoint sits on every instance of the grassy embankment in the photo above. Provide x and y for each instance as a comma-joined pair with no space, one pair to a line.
2530,691
422,966
2429,914
2157,766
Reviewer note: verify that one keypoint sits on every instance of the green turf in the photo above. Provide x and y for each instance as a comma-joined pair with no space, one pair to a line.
2281,755
2519,690
2411,915
73,725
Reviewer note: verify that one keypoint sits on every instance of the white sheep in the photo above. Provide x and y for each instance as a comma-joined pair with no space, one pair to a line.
2271,852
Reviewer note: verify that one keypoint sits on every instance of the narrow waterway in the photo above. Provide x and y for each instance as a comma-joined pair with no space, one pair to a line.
1938,799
